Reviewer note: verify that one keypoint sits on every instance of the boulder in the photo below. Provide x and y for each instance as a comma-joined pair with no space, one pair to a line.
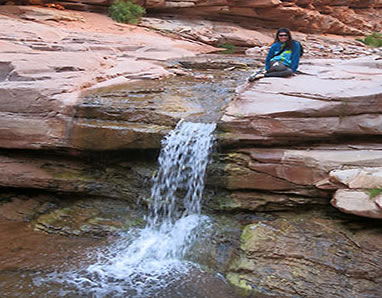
355,178
358,202
308,257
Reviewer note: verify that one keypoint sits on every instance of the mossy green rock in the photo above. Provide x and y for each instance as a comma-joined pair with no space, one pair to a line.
305,257
89,217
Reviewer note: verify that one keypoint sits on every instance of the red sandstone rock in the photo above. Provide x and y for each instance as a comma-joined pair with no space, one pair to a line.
323,16
267,112
254,4
321,105
213,33
358,203
295,171
338,17
44,69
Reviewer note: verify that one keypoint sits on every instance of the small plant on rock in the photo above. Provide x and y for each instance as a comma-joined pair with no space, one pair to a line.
374,192
126,12
374,40
229,48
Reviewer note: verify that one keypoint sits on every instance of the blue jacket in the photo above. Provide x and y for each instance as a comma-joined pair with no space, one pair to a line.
290,58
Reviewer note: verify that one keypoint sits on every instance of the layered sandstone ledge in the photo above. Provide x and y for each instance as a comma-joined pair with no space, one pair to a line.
323,127
286,145
303,143
53,72
51,61
337,17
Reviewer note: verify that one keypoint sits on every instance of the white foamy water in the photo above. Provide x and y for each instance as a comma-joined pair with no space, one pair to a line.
150,259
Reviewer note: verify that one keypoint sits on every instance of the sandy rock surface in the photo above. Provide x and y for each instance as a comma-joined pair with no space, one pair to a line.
336,102
332,98
48,60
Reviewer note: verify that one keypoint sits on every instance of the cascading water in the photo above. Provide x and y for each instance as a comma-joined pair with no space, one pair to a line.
148,260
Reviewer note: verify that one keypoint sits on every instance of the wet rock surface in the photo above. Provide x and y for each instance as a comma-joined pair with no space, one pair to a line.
25,250
286,145
90,218
117,179
309,255
70,214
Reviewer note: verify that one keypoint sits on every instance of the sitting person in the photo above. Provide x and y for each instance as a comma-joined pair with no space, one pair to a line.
283,57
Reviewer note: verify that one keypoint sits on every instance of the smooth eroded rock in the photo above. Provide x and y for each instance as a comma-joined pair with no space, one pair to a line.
305,171
45,68
309,257
321,104
358,202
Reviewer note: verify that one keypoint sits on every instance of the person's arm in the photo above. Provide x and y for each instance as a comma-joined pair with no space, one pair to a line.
295,56
270,55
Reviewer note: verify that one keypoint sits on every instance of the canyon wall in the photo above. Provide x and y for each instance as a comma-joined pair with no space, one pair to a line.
85,104
343,17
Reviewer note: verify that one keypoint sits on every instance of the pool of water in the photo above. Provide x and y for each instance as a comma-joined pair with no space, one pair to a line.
34,264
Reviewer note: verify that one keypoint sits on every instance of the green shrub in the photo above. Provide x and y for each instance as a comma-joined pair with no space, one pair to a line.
126,12
373,40
229,48
374,192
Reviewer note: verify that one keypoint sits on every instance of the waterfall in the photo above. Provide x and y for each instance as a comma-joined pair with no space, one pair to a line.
149,259
178,186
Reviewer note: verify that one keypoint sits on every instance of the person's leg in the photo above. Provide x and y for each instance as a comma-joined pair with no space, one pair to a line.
256,76
287,72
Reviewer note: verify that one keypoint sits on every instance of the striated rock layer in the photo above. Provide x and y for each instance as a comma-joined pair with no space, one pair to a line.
338,17
309,257
47,75
330,100
334,102
286,145
299,144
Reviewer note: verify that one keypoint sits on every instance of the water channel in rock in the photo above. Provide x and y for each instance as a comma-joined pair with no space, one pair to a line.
149,262
153,261
146,261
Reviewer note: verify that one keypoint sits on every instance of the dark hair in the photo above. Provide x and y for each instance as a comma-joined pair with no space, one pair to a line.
289,42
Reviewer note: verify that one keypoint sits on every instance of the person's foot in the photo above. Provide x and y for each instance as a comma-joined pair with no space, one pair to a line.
256,76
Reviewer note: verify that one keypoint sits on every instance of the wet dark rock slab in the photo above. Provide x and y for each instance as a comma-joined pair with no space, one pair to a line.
307,256
89,218
83,175
70,214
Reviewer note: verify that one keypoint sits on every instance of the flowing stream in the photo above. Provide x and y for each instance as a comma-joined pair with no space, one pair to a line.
144,262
